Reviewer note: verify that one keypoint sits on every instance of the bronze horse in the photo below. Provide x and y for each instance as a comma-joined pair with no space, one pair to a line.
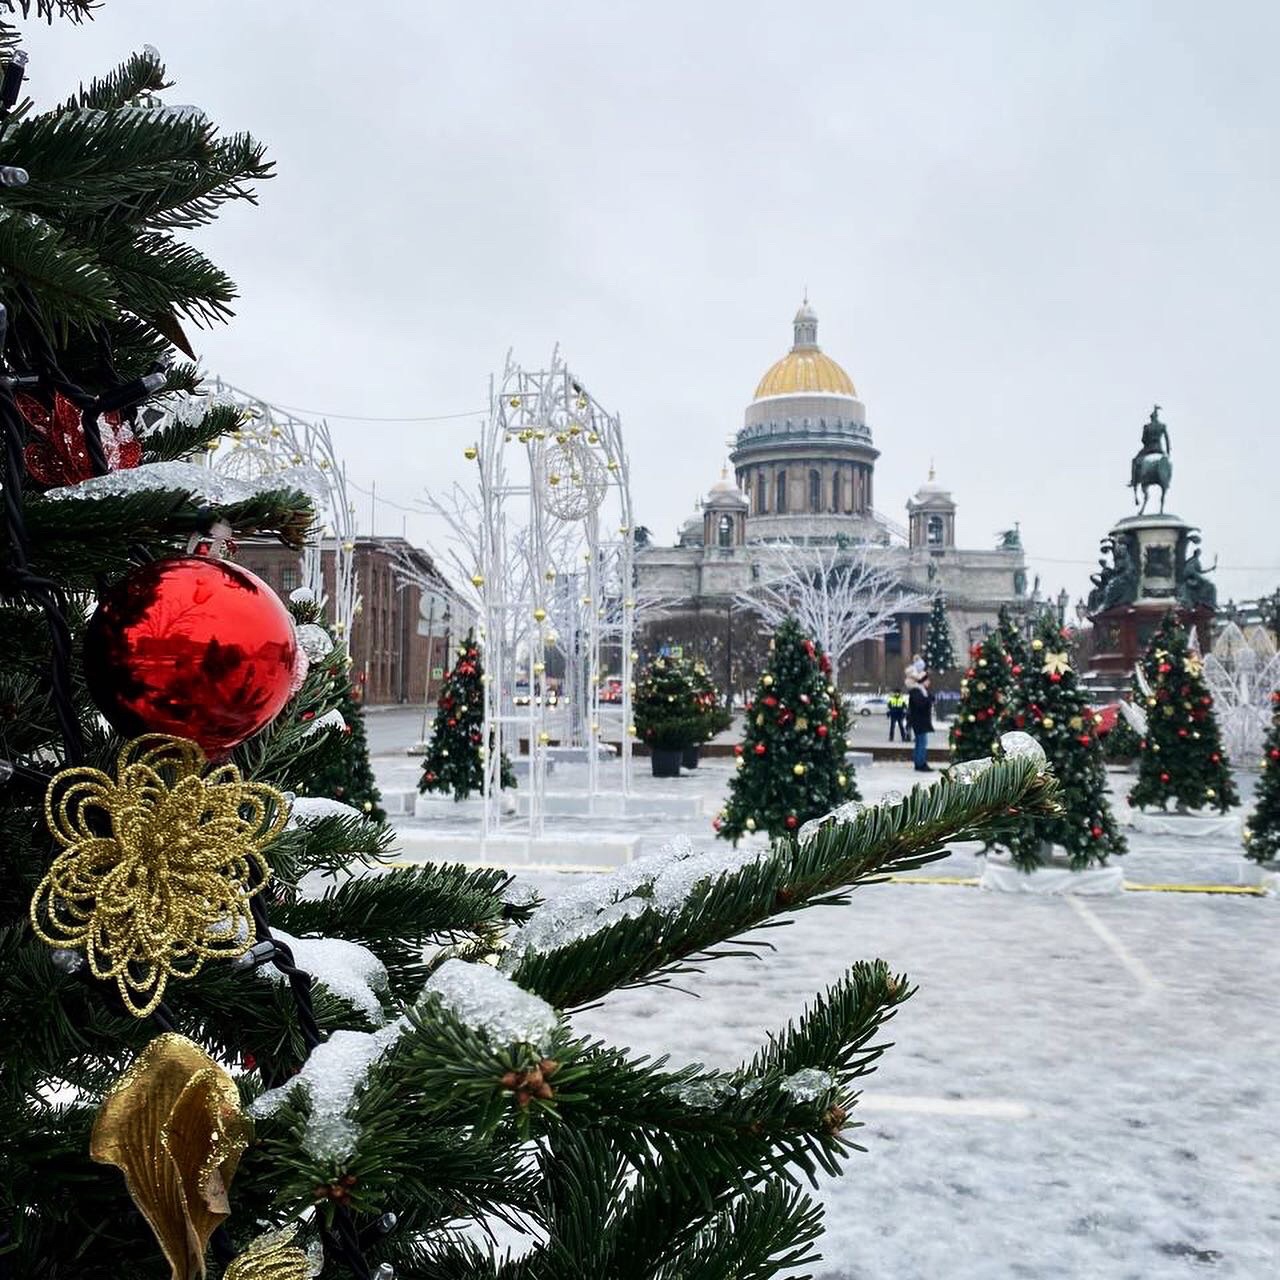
1154,471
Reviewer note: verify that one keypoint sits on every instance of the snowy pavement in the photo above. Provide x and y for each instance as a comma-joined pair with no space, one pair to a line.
1079,1088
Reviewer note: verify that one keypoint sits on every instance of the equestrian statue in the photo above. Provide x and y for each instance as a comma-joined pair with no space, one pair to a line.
1151,467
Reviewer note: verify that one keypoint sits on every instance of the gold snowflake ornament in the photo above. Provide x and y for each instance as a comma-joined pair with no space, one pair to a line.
157,865
1193,664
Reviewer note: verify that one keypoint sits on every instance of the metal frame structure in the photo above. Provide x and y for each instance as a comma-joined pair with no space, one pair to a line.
272,441
575,475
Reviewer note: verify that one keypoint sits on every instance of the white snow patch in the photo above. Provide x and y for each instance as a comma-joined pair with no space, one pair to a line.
662,882
1018,745
346,968
489,1002
202,483
331,720
308,809
330,1078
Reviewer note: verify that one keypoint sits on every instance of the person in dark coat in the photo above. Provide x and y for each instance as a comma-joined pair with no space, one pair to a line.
920,718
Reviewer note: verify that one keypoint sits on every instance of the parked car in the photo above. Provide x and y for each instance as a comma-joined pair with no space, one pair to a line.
866,704
611,689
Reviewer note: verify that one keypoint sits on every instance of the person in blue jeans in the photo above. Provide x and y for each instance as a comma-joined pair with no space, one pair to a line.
920,718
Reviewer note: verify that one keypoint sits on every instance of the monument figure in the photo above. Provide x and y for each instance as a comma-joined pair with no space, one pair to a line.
1196,587
1122,587
1151,467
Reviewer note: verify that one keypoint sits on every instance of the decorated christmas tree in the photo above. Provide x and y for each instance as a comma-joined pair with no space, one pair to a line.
455,756
1181,757
666,707
1122,742
984,695
1047,702
293,1057
1015,643
791,763
340,767
713,716
1262,835
938,655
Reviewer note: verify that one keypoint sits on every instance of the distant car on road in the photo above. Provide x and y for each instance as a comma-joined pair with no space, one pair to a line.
611,690
521,695
866,704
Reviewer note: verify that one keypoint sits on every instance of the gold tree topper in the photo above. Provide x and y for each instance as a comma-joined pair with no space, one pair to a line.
157,865
173,1124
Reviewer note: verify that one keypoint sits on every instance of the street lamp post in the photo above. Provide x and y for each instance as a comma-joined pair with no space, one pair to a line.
1063,600
728,652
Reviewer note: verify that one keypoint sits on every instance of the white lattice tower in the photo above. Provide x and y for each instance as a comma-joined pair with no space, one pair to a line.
273,442
572,467
1242,671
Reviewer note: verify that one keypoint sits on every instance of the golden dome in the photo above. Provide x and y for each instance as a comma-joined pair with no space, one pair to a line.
804,368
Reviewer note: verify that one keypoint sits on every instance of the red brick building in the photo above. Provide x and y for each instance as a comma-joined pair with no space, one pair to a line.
389,659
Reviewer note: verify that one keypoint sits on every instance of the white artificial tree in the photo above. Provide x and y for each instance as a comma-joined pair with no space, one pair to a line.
838,596
1242,672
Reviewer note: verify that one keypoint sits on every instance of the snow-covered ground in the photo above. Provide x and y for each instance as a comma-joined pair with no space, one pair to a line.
1080,1088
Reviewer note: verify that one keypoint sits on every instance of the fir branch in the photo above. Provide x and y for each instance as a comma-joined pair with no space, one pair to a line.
880,841
71,284
180,438
154,274
139,73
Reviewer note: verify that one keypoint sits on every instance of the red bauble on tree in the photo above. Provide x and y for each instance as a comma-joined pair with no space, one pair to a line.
191,646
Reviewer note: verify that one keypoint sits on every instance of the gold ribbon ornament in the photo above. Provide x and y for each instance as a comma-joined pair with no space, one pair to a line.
174,1126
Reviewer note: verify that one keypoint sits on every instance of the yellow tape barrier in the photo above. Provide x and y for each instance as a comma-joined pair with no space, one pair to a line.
1240,890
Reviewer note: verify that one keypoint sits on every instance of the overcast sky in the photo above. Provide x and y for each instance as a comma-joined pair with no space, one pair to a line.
1020,223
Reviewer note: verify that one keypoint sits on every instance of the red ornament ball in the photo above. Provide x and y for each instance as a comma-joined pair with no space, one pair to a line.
759,748
1017,670
737,748
821,731
1164,777
1274,753
792,821
1055,677
191,646
1096,833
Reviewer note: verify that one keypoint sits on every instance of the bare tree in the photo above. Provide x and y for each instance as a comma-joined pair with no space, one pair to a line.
838,596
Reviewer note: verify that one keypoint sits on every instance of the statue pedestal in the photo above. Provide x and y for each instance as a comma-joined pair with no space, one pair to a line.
1157,550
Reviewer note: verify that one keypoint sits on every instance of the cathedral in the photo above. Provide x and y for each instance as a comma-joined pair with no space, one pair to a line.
804,472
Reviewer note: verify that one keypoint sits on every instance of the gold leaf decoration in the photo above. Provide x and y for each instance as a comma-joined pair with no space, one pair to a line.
157,865
271,1257
1193,664
174,1126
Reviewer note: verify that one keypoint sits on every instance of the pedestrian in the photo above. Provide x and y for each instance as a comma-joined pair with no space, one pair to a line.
898,715
919,717
914,669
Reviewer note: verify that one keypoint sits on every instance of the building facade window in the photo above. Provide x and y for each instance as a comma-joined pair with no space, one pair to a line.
290,578
835,492
780,498
815,491
724,531
934,532
762,493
